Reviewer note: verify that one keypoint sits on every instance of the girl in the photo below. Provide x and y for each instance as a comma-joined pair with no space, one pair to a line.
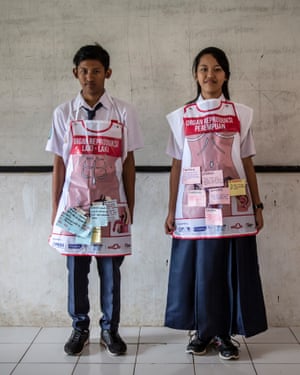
214,215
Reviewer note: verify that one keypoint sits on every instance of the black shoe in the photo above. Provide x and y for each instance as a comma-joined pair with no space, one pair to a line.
77,341
227,350
113,342
196,345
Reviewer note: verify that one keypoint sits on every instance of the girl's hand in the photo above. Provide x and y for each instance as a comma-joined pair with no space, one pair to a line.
170,224
259,219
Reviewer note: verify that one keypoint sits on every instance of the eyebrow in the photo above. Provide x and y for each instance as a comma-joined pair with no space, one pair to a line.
207,65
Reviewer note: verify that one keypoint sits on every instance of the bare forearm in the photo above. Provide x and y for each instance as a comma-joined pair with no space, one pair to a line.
173,191
254,191
58,179
129,181
251,180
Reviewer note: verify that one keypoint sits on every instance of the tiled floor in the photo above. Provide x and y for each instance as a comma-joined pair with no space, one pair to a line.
151,351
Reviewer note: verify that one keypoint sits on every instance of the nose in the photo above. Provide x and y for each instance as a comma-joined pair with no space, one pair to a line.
89,76
210,73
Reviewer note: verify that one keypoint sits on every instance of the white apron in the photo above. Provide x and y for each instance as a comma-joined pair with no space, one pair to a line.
93,179
213,198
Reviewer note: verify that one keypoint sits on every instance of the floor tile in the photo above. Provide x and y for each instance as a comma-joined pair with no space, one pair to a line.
53,335
6,368
162,353
274,335
104,369
12,353
165,369
12,335
227,368
296,332
96,353
163,335
275,353
278,369
44,368
48,353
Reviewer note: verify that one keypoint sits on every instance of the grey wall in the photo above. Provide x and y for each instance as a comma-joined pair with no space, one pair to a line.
152,45
33,276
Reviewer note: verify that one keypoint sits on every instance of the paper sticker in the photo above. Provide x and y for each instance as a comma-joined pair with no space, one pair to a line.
72,220
219,196
191,176
212,179
213,216
237,187
112,210
196,198
98,214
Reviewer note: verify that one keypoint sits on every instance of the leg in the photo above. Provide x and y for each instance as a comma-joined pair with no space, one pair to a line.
109,272
78,303
110,276
78,299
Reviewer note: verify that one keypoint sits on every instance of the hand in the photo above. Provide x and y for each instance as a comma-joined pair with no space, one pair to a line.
259,219
170,224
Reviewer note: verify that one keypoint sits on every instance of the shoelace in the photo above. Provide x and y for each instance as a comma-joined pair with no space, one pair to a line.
76,336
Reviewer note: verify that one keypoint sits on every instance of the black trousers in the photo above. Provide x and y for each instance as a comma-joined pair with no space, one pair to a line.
110,290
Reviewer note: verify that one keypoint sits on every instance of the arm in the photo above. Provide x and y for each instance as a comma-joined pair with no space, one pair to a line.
58,179
174,182
129,181
252,183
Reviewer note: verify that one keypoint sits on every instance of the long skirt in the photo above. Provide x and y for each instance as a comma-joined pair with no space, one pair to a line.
215,287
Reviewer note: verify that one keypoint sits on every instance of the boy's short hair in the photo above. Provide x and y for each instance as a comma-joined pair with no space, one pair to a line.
92,52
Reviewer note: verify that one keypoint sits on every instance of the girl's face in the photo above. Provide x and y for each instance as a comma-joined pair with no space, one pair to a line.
210,77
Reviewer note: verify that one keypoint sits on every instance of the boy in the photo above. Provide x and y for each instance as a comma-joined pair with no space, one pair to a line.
93,138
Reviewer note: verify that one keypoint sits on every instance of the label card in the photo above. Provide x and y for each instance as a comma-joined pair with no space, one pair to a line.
212,179
237,187
191,176
219,196
72,220
98,214
213,216
112,210
196,198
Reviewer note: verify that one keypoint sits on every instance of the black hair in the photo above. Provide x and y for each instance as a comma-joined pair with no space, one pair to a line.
222,60
92,52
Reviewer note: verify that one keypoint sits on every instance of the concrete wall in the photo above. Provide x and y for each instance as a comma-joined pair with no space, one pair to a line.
33,276
152,45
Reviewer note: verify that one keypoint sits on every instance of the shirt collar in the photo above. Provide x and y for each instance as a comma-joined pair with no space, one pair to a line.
208,104
105,100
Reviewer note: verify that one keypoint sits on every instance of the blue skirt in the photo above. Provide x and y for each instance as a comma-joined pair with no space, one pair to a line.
215,287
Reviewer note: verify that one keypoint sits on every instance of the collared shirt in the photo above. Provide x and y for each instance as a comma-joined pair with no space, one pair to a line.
112,108
244,113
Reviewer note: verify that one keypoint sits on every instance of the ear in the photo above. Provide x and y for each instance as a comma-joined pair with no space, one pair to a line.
75,72
108,73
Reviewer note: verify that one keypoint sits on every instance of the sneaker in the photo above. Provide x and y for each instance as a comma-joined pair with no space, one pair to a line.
77,341
196,345
227,350
113,343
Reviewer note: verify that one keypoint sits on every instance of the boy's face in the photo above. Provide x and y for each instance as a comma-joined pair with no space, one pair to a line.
91,75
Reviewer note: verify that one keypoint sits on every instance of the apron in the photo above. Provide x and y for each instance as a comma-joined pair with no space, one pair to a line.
214,200
93,216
